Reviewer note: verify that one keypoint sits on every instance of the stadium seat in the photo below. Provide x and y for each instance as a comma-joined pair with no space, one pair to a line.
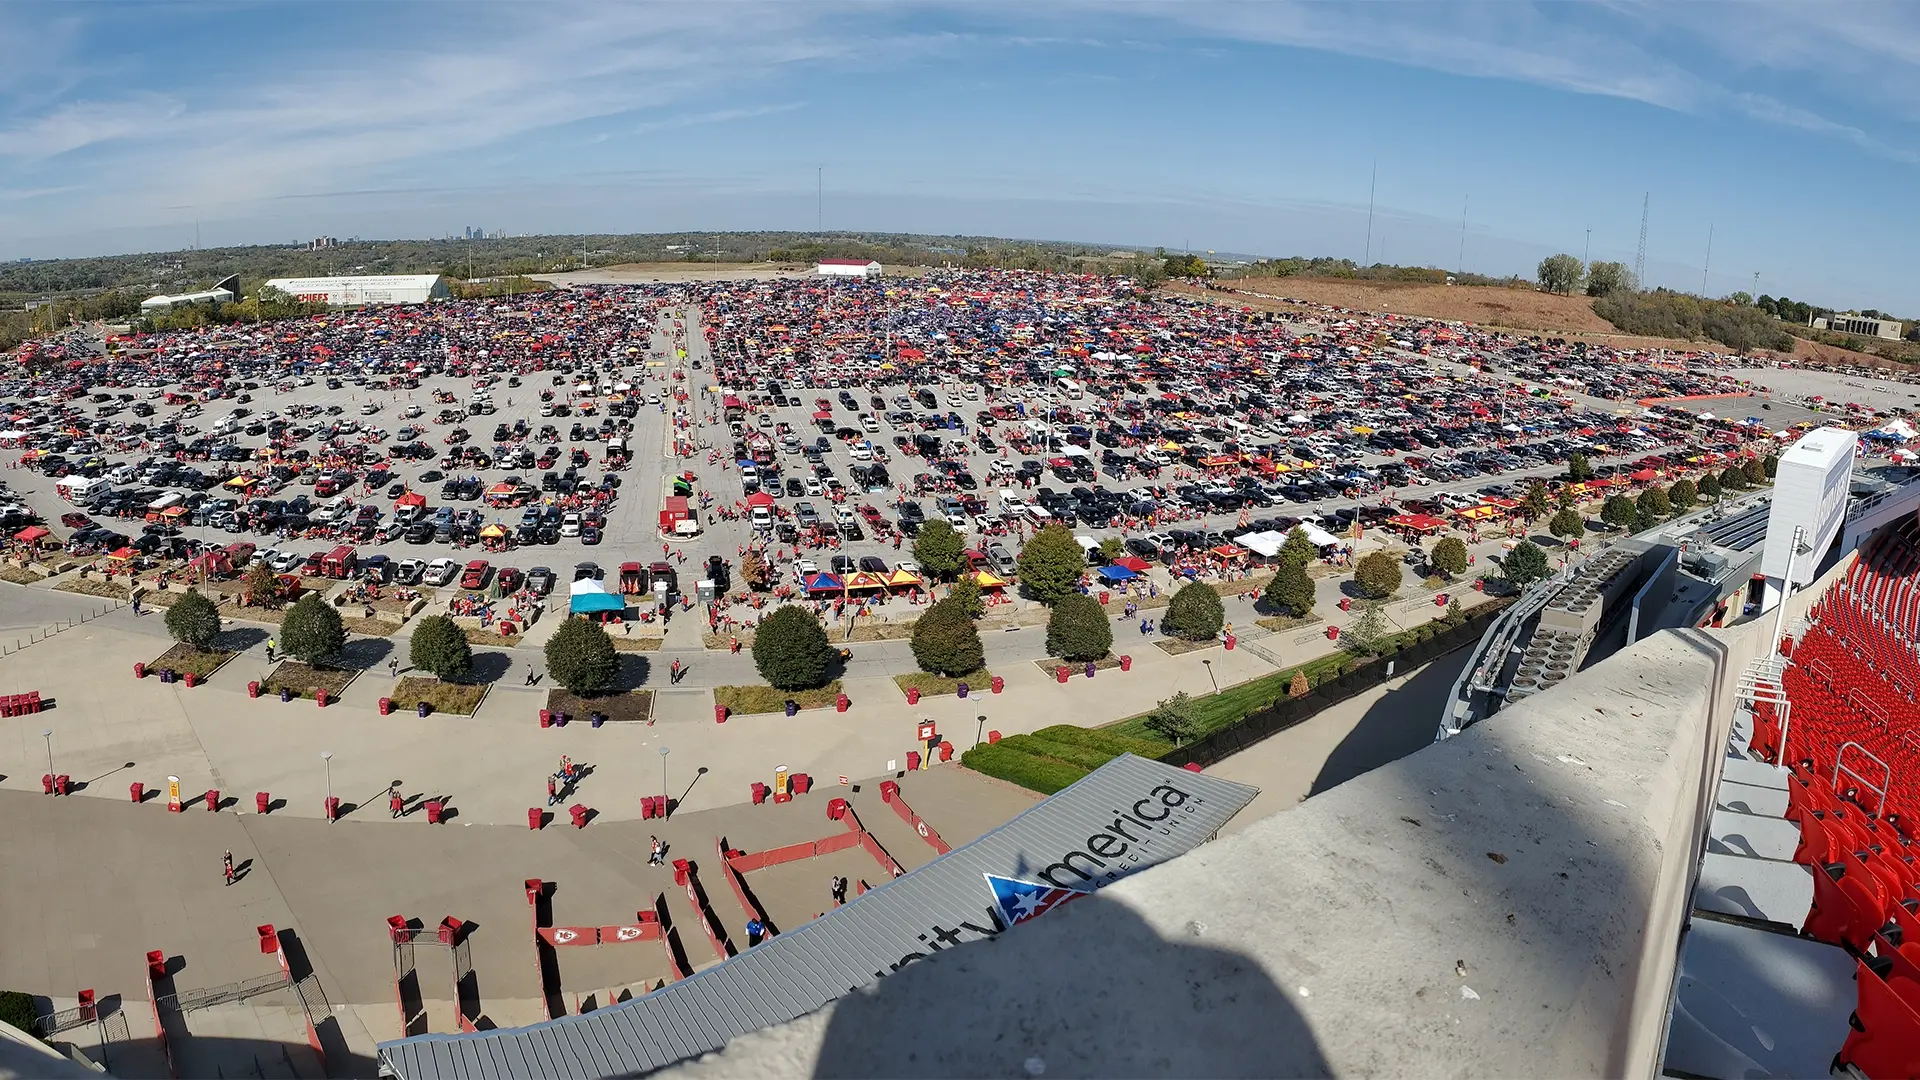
1885,1040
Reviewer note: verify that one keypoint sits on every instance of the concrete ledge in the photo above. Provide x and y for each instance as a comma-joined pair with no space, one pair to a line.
1507,902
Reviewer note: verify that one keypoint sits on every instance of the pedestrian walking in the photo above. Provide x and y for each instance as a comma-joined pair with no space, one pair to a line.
755,932
839,891
657,852
553,792
393,668
227,866
674,678
272,647
531,677
395,803
136,607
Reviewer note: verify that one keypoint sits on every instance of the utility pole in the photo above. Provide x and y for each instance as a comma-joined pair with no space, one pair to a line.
1640,255
1372,181
1460,268
1704,266
820,199
1588,249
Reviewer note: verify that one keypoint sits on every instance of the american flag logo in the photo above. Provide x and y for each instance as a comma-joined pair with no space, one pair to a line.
1019,901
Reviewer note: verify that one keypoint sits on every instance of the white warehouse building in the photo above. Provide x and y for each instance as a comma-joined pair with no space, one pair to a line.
858,268
353,291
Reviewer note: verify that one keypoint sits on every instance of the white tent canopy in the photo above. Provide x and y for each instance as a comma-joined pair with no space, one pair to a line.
1264,544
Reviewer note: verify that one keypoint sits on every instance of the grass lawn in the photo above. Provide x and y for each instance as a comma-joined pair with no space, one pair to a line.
232,610
633,707
874,631
637,644
306,680
160,598
1174,646
978,682
1279,623
761,698
723,642
370,627
1212,712
477,636
462,699
185,658
18,575
93,586
1255,582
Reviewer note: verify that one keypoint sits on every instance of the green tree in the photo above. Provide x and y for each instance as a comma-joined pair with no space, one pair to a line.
965,595
193,621
1112,548
938,549
946,643
1567,524
1449,556
1644,519
1579,469
1560,273
581,657
1378,575
1297,686
1173,718
1291,591
1195,613
312,631
1455,614
791,650
1740,299
1683,495
1077,629
440,647
1732,479
1770,465
1368,631
1655,502
257,587
1755,472
1607,278
1536,503
1298,549
1710,487
1186,265
1525,564
1050,564
1617,511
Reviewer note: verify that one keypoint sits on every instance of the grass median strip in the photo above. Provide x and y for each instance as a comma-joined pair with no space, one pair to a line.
934,685
185,658
306,681
761,698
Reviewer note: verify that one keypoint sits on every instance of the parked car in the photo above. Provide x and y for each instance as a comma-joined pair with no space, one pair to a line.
441,572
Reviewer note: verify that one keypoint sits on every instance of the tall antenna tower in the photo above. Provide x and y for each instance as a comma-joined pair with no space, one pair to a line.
1640,254
1371,181
1708,263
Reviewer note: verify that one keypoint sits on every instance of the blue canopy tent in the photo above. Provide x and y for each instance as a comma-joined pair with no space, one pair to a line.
593,603
824,583
1117,573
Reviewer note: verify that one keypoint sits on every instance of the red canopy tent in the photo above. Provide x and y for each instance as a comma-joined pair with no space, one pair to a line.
759,498
410,498
30,534
1643,476
1132,562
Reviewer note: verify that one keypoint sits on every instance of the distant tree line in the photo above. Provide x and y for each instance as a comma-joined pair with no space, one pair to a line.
1661,313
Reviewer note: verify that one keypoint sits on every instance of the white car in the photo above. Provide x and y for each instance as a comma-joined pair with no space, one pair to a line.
413,412
570,525
442,572
808,568
264,555
284,562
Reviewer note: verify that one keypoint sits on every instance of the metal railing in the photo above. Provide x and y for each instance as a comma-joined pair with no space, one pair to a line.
1840,766
207,997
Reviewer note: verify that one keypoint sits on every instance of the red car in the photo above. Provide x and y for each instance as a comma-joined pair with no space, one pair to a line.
475,575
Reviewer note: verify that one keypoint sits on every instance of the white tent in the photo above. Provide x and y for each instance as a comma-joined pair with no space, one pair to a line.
1321,538
1264,544
1898,429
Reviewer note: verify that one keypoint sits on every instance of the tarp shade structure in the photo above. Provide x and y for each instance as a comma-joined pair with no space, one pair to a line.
29,534
1318,536
590,603
1417,522
865,579
824,583
1132,562
1642,476
1264,544
1228,551
123,554
759,498
1114,572
411,498
491,531
901,579
988,580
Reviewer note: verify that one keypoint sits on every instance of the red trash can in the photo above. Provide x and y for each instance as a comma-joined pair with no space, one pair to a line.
1439,599
139,670
1346,603
546,718
993,737
840,703
1105,596
262,801
719,714
1479,586
1060,673
253,688
1126,662
433,811
320,698
1333,633
137,791
1231,640
802,782
213,799
913,695
192,680
913,760
999,684
888,789
759,794
836,809
946,751
331,807
386,706
46,783
536,817
578,812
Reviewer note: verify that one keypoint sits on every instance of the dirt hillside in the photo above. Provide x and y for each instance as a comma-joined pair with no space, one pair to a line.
1519,309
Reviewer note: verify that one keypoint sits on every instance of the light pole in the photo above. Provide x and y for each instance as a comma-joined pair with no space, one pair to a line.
978,733
326,756
664,792
48,735
1210,678
1786,587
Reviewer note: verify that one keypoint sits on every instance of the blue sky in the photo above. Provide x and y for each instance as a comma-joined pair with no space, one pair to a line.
1793,130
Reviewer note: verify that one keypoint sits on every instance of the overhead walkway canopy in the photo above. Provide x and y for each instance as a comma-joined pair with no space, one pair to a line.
1125,816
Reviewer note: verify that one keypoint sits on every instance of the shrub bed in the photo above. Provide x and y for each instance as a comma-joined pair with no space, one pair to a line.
633,707
929,685
1035,772
637,644
185,658
761,698
461,699
306,681
1052,758
1075,667
1177,646
88,586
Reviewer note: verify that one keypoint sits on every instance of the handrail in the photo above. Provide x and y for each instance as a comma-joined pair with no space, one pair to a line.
1886,772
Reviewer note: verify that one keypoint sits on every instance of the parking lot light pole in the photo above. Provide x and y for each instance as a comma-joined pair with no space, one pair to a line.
326,756
981,730
48,735
1210,678
664,792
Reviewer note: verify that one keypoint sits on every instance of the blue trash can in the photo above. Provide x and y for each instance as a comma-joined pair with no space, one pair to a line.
596,719
1089,669
961,690
423,710
793,707
286,694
